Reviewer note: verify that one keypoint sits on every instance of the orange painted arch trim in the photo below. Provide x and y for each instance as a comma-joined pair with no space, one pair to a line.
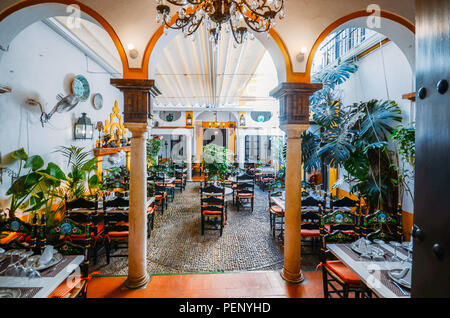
358,14
84,8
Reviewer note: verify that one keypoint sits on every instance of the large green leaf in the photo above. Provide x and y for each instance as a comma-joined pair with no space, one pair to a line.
327,115
357,165
34,163
55,171
310,146
336,147
24,184
19,155
90,165
332,76
53,175
381,120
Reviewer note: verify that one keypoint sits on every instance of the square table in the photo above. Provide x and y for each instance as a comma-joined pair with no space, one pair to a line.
44,286
373,273
150,201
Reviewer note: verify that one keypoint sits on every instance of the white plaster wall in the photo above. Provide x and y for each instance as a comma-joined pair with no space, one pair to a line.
40,64
383,74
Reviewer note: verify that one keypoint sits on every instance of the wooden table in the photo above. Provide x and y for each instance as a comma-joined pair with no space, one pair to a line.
150,201
44,286
166,181
372,273
282,204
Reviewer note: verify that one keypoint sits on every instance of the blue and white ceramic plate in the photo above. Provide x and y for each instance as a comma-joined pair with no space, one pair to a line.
80,87
98,101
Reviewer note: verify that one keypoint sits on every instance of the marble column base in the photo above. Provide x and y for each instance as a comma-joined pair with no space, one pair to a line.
292,278
137,283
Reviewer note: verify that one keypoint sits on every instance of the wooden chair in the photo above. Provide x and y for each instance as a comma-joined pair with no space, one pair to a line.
169,188
344,202
310,202
160,194
180,180
73,239
382,225
97,227
116,227
213,208
19,234
310,231
338,279
245,190
266,180
276,213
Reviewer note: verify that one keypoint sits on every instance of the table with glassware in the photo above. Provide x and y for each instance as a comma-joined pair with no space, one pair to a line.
24,275
385,268
150,201
167,180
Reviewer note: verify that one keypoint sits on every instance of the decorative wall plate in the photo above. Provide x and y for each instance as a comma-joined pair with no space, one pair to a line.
98,101
80,87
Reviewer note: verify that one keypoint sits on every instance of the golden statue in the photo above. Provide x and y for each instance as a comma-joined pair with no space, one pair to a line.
117,130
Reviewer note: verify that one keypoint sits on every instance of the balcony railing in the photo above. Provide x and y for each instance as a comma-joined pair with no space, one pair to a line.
338,44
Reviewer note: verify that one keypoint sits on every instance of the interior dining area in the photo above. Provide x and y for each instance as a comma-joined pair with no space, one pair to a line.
224,149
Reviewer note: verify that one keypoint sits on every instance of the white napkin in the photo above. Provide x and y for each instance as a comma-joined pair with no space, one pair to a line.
47,256
2,250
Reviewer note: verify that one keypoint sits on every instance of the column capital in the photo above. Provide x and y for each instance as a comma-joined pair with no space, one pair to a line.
294,101
137,129
293,131
137,95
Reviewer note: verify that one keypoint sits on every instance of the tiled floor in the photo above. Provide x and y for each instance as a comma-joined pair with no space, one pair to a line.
230,285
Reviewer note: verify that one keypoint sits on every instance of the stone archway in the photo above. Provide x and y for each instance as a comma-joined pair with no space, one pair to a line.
397,28
22,14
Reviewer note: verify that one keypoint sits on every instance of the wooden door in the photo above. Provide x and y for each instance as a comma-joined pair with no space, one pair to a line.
431,265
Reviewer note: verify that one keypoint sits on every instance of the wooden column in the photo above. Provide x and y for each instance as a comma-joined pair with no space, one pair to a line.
294,120
137,95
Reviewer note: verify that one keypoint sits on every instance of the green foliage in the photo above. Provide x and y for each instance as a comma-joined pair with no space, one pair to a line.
406,141
310,147
83,171
153,148
37,187
216,160
355,137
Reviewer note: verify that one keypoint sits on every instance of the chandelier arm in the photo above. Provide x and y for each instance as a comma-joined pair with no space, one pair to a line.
234,34
177,26
249,23
269,9
197,25
193,2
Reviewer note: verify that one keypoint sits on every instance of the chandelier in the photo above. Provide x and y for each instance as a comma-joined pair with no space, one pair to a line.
241,17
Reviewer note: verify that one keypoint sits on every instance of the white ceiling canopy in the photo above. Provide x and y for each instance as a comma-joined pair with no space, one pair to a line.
191,73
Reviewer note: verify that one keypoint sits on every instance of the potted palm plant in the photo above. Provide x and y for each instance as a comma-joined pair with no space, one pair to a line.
355,138
82,172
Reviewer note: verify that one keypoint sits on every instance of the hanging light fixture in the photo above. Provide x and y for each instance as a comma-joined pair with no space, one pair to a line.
241,17
84,129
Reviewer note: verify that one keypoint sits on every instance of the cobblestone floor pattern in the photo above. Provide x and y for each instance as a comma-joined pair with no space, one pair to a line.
177,246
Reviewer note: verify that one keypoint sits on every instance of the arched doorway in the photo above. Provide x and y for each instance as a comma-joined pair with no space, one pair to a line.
17,17
393,26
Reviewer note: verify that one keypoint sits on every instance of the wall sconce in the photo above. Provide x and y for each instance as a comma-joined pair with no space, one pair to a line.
132,51
301,56
84,129
242,120
188,120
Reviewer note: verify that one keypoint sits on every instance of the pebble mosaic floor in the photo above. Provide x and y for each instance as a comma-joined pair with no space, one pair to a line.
177,246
